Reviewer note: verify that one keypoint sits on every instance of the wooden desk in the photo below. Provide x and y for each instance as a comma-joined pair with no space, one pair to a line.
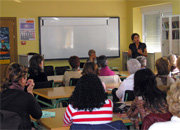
55,93
124,74
56,78
59,94
56,122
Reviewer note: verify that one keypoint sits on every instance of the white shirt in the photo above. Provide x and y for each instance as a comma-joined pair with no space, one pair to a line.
127,84
173,124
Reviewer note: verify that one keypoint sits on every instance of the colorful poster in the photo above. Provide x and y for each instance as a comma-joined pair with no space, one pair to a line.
27,29
4,45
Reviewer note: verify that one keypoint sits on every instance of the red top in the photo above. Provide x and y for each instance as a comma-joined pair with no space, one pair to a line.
106,72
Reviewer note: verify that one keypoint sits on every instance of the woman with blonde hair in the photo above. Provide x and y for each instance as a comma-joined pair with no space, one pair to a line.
173,100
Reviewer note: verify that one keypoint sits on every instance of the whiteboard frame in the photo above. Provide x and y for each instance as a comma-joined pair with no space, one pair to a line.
39,25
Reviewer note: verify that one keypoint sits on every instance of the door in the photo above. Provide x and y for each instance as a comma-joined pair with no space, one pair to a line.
8,43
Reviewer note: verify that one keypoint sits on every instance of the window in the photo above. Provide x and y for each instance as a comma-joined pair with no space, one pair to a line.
151,25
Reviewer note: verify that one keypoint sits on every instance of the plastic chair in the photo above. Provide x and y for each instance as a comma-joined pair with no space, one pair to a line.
73,81
129,95
61,70
49,70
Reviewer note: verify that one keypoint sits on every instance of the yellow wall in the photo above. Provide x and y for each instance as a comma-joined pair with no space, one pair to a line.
127,10
34,9
134,15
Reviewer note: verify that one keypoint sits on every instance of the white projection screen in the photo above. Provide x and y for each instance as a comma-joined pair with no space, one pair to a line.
62,37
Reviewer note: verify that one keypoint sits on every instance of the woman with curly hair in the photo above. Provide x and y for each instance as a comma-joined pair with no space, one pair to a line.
149,101
173,100
15,99
89,103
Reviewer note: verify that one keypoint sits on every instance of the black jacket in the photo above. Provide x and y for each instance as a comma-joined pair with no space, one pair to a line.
22,103
37,77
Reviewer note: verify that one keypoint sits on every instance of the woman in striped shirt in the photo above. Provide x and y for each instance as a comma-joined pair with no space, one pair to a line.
89,103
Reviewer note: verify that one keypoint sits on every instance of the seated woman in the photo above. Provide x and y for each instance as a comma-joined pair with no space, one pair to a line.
172,60
75,72
148,99
173,100
87,100
36,69
104,71
13,98
133,65
163,79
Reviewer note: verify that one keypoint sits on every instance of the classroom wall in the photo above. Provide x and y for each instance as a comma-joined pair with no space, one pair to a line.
134,14
54,8
127,10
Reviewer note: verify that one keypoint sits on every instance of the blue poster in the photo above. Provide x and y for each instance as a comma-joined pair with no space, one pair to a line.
4,45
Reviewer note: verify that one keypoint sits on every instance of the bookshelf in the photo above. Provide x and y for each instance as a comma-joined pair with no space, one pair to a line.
170,35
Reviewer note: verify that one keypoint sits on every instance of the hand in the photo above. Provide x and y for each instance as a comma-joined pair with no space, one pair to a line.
140,51
30,86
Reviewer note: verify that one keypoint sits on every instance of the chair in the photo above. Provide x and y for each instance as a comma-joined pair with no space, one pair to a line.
115,125
82,64
61,70
49,70
110,79
129,95
46,84
73,81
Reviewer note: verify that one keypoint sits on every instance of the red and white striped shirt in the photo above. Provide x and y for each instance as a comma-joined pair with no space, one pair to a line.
97,116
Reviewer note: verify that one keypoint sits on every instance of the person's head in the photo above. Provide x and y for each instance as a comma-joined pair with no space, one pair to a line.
163,66
74,62
145,85
92,53
173,99
88,94
172,59
135,37
102,61
133,65
90,68
178,63
142,60
17,74
36,63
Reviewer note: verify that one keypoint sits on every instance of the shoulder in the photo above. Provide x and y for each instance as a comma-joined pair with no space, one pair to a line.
143,44
131,44
109,102
158,126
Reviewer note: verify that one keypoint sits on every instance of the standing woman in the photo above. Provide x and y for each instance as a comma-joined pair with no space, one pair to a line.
137,48
36,69
15,99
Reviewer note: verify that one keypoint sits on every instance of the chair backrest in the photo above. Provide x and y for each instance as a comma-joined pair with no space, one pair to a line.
49,70
46,84
129,95
10,120
115,79
73,81
82,64
115,125
61,70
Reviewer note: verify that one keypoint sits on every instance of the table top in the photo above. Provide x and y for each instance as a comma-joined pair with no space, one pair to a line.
55,93
56,78
64,92
56,122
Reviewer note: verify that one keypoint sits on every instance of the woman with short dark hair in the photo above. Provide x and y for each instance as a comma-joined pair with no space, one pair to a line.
137,48
149,101
89,100
15,99
104,71
36,69
74,61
